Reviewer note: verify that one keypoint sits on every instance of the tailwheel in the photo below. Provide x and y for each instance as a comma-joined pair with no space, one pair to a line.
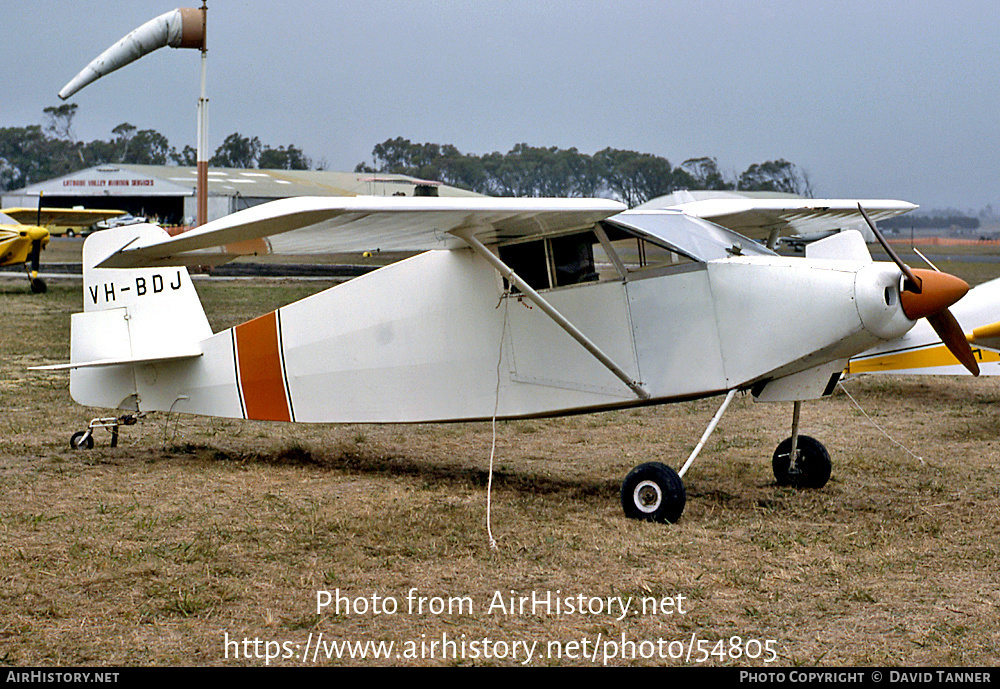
82,440
653,492
811,468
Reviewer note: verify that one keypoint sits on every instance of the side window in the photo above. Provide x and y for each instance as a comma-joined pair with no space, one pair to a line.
554,262
528,260
573,259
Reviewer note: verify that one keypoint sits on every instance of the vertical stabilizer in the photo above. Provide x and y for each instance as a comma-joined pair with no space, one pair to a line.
138,314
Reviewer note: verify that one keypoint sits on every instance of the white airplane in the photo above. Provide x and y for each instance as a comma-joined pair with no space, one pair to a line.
516,308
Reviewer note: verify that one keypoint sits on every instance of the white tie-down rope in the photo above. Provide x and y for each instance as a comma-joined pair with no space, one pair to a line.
879,428
493,446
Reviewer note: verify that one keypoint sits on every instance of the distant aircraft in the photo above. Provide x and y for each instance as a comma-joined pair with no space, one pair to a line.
770,216
517,308
23,243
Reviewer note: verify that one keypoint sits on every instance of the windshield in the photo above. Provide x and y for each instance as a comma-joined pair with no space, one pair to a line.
693,236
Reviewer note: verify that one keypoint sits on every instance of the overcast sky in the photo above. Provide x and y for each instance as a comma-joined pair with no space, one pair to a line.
872,99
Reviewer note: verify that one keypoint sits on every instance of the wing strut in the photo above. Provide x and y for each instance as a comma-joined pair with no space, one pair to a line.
551,312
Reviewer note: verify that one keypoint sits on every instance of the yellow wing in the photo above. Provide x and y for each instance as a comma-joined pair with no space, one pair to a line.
61,217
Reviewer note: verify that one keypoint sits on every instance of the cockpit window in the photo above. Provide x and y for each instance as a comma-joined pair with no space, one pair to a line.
700,239
634,252
608,252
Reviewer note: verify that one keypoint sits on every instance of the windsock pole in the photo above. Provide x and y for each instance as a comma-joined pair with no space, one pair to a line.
203,126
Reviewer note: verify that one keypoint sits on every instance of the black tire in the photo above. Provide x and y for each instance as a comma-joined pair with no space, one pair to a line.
653,492
38,286
812,465
82,440
70,233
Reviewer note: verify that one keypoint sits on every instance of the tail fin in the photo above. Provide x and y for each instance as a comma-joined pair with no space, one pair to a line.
130,316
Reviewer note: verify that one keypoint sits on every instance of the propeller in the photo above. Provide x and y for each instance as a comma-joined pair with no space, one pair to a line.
928,294
37,284
35,256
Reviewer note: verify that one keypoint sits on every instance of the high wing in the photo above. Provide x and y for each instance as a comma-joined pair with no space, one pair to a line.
762,218
63,217
315,225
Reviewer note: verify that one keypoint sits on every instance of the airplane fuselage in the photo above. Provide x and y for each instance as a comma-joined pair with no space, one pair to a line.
437,338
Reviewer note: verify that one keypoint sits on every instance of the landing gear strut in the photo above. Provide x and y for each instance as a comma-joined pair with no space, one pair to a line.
811,467
654,492
84,440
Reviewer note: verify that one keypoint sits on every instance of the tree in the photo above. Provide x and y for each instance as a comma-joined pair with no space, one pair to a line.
123,135
33,153
237,151
635,177
149,147
704,174
775,175
29,155
282,158
60,120
188,156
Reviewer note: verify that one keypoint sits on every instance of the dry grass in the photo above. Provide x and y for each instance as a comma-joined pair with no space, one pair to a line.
149,554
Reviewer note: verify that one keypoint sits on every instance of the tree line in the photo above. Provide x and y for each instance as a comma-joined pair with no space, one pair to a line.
39,152
525,170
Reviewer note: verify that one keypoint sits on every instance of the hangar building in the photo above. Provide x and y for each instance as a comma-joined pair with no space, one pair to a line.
166,194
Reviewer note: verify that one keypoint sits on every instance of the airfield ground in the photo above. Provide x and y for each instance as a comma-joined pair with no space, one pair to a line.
195,532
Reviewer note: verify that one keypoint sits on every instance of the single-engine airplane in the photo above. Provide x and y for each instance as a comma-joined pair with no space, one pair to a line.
23,243
587,307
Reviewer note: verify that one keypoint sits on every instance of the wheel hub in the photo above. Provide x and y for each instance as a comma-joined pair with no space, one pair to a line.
647,496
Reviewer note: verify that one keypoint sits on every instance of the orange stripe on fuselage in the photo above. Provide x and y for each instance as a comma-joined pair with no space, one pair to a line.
261,380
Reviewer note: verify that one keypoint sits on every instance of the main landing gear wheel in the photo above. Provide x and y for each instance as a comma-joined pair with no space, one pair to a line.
811,468
653,492
38,286
82,440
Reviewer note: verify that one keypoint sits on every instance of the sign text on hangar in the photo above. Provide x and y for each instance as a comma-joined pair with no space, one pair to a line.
112,181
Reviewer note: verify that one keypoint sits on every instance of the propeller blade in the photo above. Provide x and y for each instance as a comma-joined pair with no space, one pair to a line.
913,283
950,332
36,255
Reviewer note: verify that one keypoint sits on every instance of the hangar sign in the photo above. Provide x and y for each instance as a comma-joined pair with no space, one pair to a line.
112,181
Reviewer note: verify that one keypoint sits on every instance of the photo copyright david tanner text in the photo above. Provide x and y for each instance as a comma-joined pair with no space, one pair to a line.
601,648
863,676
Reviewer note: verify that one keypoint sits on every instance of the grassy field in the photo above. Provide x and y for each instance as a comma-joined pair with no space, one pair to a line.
195,532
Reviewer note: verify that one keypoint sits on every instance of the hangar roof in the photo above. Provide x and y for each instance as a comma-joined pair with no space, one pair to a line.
121,179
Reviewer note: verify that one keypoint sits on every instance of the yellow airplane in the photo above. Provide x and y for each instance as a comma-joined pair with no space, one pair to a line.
23,243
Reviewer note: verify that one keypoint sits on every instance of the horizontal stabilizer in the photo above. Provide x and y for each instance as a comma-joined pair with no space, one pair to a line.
118,362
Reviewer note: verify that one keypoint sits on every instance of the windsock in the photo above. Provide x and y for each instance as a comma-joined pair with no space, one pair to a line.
180,28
